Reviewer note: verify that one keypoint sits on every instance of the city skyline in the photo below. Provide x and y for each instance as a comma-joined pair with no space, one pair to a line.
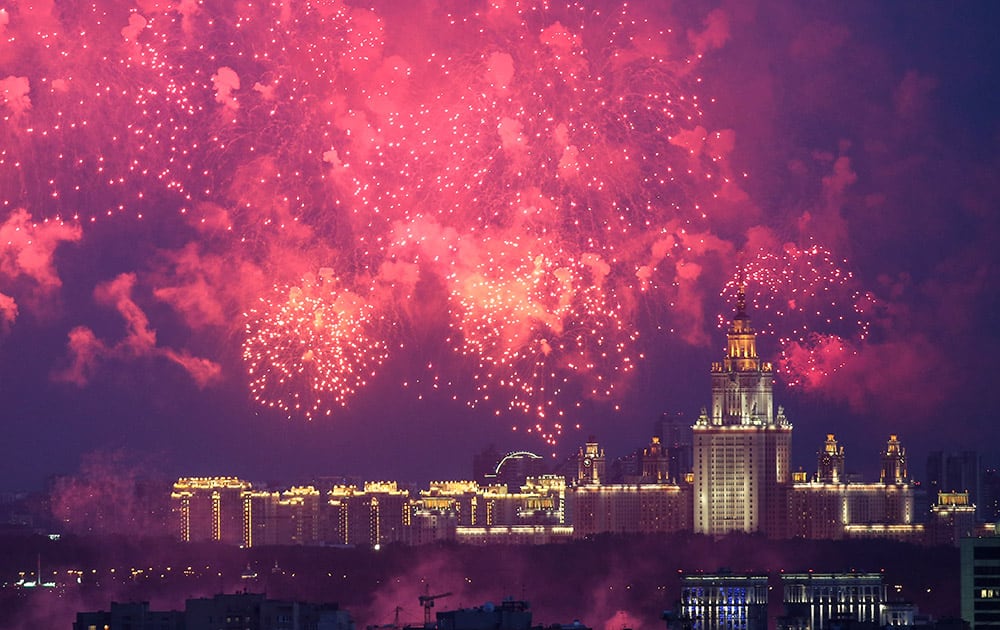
464,222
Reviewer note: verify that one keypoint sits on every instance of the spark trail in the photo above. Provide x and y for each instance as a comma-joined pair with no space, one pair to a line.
545,162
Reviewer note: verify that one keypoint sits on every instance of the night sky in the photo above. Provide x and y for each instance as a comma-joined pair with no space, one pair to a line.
279,240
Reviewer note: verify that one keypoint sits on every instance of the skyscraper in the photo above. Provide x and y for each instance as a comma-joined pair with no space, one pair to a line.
674,431
955,472
742,449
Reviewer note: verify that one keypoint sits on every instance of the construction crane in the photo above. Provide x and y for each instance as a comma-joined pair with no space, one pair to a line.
427,601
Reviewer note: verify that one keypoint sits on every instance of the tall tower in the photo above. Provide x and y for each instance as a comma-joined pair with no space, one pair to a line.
742,449
894,462
830,462
590,464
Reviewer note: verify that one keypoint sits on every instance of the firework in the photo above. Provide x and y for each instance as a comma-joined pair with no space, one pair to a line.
823,315
310,347
544,163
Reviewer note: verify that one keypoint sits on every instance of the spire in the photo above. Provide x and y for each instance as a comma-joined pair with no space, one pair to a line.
741,354
741,295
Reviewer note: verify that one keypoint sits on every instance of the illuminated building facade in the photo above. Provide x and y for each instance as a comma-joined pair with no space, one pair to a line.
428,525
821,600
830,462
830,508
540,501
472,514
724,601
742,448
655,463
629,509
513,534
980,582
373,516
956,472
952,518
210,508
590,464
894,462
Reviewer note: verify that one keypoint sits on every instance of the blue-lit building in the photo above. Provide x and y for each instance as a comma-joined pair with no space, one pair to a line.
724,601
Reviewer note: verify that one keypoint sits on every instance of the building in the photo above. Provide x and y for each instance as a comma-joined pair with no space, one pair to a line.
513,534
485,463
246,611
429,525
131,615
654,463
819,600
674,431
629,509
742,448
830,508
210,508
830,461
256,612
988,505
724,601
375,515
952,518
980,582
514,469
510,614
590,464
955,472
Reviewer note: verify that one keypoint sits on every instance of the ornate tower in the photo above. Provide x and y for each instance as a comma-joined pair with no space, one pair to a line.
894,462
655,462
590,464
742,449
830,462
741,383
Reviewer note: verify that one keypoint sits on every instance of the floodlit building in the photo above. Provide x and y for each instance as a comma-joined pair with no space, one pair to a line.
742,448
428,525
724,601
952,518
210,508
830,508
513,534
819,600
374,515
830,461
955,472
629,509
590,464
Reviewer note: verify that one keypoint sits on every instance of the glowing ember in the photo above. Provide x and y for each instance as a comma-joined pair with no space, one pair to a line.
545,166
821,312
309,347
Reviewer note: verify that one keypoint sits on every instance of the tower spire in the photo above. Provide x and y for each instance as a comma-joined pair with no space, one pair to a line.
741,293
